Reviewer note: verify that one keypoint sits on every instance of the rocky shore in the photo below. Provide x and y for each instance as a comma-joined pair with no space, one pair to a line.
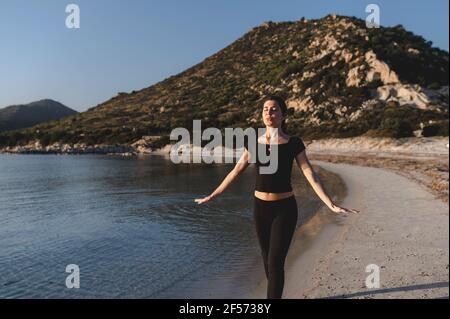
79,148
142,146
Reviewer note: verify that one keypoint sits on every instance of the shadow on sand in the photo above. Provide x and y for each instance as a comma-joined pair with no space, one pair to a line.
395,289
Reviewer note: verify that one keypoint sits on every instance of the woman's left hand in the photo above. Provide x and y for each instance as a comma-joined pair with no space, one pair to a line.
203,200
342,210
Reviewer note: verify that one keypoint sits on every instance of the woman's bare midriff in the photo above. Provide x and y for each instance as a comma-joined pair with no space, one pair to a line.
272,196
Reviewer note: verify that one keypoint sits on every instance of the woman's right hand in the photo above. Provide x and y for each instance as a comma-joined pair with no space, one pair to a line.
204,199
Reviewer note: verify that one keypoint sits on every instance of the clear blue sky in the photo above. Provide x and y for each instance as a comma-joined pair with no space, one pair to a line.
128,45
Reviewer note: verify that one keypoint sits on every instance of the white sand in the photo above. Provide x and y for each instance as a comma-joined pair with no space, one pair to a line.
402,228
417,146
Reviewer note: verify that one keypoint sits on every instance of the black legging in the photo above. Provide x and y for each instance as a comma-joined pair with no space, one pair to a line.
275,225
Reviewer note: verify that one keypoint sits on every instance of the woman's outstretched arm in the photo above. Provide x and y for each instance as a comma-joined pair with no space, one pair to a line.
240,166
313,179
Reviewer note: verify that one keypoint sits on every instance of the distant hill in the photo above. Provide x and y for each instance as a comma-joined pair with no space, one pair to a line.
21,116
339,77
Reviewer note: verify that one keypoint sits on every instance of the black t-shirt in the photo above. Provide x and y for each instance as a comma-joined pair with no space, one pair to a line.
280,180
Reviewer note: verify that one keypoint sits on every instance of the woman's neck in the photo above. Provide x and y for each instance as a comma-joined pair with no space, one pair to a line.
272,133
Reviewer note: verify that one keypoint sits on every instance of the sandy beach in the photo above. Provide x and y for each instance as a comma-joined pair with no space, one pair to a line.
403,228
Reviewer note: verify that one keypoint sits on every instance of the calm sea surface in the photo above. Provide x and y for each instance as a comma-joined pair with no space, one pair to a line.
131,226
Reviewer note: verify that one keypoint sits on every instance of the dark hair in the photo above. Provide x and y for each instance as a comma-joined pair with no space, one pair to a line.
281,103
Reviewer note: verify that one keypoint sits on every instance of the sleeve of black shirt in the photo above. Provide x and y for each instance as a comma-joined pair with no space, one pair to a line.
299,146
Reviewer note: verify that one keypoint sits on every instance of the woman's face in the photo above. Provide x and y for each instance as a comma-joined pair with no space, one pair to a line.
272,115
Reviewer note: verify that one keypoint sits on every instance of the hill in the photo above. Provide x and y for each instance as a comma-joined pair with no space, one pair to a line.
340,79
21,116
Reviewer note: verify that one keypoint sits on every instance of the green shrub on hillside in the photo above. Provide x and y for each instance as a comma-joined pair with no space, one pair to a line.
396,127
437,129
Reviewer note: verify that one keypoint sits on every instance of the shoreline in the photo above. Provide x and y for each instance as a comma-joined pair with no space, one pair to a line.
422,159
429,172
403,228
418,146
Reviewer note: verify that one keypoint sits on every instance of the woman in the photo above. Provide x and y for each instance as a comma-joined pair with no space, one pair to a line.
275,208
